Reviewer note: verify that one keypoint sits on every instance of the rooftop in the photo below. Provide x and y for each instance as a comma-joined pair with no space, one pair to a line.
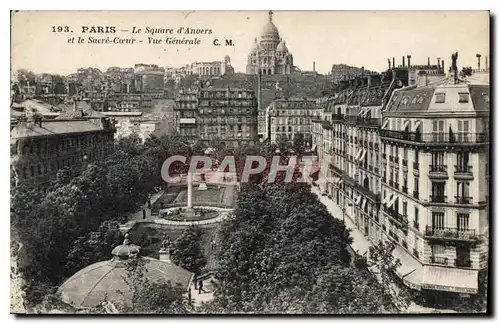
106,279
53,127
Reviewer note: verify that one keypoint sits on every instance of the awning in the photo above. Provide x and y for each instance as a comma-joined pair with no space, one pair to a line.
362,156
406,123
417,123
392,201
450,279
386,122
359,154
363,203
410,271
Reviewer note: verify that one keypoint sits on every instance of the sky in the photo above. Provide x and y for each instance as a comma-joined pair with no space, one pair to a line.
359,38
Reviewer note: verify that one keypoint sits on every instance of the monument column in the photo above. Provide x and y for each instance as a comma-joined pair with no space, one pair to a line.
190,190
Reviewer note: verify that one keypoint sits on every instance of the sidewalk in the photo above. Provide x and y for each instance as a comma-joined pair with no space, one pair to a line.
360,243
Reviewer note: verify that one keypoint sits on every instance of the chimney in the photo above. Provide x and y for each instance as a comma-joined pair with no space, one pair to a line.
74,105
393,62
409,58
442,65
403,61
389,61
314,66
439,61
362,71
478,62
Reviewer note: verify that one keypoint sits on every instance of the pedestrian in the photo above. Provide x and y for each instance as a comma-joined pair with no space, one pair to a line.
143,214
200,287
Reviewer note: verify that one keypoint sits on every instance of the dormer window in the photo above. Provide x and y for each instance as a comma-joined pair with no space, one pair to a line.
440,97
463,97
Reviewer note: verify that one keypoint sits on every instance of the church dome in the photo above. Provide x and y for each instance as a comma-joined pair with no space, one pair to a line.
91,285
270,32
282,47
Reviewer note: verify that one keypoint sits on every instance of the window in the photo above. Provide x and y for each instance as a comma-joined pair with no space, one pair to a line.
440,97
416,218
405,153
463,97
437,159
462,222
438,134
437,220
439,254
438,191
462,161
405,208
463,191
463,134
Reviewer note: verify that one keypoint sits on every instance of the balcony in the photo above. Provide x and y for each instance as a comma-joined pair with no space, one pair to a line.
463,263
463,172
375,169
463,200
416,166
396,160
416,225
437,138
405,162
391,158
438,199
391,183
416,254
405,189
368,193
439,260
396,185
376,147
384,156
438,171
450,233
384,180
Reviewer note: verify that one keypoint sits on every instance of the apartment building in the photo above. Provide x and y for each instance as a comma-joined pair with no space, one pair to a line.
40,148
407,161
435,142
224,115
285,118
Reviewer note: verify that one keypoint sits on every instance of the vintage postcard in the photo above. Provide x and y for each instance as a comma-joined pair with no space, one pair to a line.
249,162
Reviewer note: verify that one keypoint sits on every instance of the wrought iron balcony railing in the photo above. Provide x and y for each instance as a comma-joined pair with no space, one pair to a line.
451,233
438,199
463,200
438,138
463,263
439,260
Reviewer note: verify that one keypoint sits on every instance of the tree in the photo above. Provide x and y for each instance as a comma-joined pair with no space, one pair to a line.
95,247
187,251
152,297
298,143
385,265
348,290
280,239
